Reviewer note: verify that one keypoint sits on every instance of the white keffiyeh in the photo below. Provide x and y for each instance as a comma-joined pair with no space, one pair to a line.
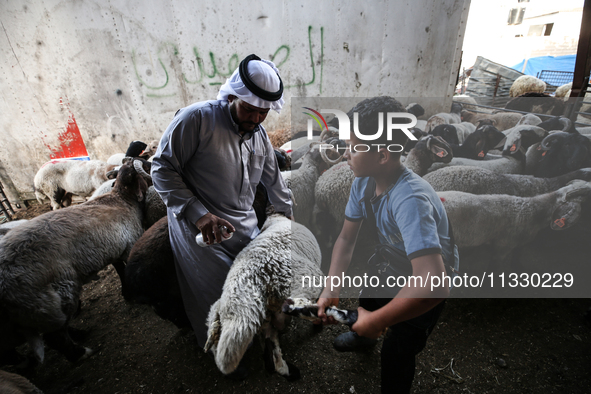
265,75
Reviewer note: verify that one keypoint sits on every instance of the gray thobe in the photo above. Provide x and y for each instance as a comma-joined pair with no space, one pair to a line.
204,165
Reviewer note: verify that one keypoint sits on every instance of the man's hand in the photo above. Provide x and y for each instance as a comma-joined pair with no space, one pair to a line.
327,299
209,225
366,326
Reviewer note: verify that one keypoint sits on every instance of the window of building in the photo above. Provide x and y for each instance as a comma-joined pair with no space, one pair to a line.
540,30
515,16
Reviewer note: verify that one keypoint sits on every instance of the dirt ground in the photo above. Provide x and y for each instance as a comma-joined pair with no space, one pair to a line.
496,345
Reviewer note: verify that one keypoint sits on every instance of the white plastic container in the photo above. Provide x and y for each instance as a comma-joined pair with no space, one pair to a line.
226,235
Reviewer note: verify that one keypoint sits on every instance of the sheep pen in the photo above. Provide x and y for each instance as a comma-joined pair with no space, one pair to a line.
502,345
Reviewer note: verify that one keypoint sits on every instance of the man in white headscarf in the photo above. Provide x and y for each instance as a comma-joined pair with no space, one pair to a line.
208,164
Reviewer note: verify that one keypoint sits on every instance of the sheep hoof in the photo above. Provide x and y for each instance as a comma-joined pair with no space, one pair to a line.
87,353
293,374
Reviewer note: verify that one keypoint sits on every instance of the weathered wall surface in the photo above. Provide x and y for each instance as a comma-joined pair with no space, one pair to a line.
118,70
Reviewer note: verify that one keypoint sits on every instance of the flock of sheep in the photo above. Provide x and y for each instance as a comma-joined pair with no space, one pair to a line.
502,178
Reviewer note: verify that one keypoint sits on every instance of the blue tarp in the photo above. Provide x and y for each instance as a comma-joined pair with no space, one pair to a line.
555,63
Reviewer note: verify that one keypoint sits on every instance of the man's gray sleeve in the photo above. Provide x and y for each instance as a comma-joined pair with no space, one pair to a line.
274,182
177,147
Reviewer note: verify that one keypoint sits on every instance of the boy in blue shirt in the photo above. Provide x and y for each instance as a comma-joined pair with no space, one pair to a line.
410,217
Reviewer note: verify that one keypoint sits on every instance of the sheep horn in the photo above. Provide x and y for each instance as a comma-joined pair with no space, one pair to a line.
140,169
566,123
327,159
546,142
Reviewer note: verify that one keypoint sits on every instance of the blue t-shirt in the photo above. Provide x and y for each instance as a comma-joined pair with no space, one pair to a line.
409,216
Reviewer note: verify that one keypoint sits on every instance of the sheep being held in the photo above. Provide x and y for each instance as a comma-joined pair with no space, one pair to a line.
268,271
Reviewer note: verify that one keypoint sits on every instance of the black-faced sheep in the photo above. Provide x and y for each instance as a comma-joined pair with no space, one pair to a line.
268,271
562,153
478,180
505,222
45,261
58,180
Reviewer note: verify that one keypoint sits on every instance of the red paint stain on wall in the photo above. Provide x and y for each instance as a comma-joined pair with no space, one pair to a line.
71,142
71,145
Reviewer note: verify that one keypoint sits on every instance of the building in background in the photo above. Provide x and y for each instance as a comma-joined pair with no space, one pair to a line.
510,31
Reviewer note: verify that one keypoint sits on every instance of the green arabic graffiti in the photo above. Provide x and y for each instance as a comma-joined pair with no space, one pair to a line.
280,57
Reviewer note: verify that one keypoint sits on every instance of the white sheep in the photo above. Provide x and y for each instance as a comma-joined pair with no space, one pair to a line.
58,180
444,118
505,222
268,271
526,84
478,180
502,165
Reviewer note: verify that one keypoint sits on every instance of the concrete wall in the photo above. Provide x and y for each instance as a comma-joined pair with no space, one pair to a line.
117,71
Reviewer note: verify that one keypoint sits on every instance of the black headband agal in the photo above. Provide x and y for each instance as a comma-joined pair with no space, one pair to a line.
250,85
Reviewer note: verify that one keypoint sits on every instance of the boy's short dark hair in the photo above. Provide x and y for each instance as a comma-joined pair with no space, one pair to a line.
368,111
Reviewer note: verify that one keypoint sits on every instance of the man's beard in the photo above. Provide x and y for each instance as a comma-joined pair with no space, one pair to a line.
241,124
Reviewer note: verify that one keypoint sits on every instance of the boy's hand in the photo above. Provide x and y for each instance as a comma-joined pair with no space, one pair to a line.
365,326
324,302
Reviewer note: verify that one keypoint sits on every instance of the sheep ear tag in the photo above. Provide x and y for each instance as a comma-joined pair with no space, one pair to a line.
439,151
560,222
481,154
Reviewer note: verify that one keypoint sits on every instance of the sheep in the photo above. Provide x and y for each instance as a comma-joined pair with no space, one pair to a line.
415,109
269,270
564,91
58,180
280,136
477,180
529,119
505,222
11,383
445,118
502,121
503,165
467,102
45,261
6,227
520,138
540,103
562,153
474,147
558,123
525,84
137,149
456,133
301,182
150,274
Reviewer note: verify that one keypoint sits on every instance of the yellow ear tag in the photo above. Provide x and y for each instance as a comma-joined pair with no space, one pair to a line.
559,222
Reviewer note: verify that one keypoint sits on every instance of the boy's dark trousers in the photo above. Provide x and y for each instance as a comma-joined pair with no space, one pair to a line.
402,343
